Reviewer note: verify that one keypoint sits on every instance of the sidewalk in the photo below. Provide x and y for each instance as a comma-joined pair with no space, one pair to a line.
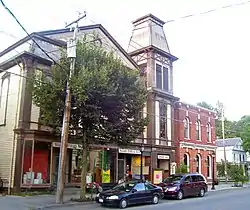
225,186
48,201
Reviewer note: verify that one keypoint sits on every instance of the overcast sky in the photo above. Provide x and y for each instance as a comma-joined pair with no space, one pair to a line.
213,49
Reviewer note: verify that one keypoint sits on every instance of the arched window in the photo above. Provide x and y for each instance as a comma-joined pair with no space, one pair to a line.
186,160
198,130
209,132
198,163
209,166
186,128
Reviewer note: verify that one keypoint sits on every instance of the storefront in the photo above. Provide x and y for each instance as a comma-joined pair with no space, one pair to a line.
129,164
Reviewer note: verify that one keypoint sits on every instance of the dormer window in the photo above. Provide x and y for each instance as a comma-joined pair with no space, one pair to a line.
161,77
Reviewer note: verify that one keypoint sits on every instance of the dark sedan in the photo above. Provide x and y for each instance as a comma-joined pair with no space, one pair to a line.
184,185
130,193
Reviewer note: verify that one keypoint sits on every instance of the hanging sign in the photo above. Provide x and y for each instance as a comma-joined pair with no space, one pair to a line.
130,151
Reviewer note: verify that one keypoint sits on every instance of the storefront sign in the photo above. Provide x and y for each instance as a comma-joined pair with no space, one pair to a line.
70,146
163,157
130,151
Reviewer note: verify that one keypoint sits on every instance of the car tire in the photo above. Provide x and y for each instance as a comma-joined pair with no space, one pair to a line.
202,192
180,195
123,204
155,199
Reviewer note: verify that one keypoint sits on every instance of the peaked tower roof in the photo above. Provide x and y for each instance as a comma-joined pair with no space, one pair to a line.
148,31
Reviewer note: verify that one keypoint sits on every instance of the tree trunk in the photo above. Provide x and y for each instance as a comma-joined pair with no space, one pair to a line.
84,166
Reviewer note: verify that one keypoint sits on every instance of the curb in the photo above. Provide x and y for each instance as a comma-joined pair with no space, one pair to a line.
61,205
93,202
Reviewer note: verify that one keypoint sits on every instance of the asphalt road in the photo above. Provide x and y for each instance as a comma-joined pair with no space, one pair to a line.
218,200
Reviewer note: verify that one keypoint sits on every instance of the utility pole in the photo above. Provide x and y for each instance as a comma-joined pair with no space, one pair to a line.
71,54
221,108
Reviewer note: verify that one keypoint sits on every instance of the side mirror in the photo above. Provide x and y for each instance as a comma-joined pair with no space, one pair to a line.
134,190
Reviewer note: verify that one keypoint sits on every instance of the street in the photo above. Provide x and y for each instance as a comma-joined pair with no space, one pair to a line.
218,200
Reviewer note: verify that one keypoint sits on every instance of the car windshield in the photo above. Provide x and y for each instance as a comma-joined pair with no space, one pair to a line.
173,179
125,186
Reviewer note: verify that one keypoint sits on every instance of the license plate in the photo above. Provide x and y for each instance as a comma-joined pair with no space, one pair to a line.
100,200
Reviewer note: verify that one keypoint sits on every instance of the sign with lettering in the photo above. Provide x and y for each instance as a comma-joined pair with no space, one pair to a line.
163,157
70,146
130,151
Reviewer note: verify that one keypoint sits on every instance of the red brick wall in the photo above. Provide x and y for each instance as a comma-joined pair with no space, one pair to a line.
180,114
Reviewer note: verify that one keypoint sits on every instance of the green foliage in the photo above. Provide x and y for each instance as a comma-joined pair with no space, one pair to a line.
229,125
236,172
106,103
182,168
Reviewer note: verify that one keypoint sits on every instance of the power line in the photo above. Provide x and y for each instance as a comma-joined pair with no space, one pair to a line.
16,19
200,13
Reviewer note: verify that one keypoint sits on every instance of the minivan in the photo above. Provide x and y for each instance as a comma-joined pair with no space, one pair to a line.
184,185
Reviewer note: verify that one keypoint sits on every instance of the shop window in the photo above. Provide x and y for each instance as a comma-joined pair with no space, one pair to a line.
36,163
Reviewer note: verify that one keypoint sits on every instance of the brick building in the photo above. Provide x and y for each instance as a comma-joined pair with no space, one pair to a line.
195,135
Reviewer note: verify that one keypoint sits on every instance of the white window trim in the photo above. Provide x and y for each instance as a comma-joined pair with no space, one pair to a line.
188,161
199,122
162,79
209,140
199,162
210,166
188,123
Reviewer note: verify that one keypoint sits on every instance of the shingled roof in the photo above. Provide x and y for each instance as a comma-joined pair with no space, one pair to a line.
228,142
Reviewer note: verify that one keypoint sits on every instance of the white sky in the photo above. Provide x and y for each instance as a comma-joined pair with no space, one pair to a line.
213,49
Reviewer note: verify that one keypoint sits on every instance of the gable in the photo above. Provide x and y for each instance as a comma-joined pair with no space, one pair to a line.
91,33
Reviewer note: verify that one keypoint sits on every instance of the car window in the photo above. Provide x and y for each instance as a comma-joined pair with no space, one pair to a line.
173,179
149,187
197,178
140,187
125,186
188,179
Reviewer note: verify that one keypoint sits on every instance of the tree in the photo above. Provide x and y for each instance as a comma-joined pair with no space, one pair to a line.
242,128
107,99
183,168
229,125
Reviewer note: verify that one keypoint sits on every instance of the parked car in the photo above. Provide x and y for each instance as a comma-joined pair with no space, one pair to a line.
130,193
184,185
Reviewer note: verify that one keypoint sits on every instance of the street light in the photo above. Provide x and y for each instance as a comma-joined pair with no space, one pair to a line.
213,164
141,173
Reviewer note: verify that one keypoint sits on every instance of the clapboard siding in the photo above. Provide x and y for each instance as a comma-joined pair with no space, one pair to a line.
6,132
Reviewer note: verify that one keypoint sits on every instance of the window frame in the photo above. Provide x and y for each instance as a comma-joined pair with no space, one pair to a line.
163,85
209,166
198,131
6,76
209,133
186,129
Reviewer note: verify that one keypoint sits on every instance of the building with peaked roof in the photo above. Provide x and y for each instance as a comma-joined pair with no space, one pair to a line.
29,153
233,148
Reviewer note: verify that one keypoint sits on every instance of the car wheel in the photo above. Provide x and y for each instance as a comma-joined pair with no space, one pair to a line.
180,195
155,199
123,204
202,192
